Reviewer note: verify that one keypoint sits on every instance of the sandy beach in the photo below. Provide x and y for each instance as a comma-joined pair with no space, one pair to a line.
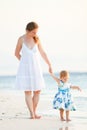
14,114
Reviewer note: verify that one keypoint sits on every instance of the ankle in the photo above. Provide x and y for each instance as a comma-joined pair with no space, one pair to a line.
32,114
62,118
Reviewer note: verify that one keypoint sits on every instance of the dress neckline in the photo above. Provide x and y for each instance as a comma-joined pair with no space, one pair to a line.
28,47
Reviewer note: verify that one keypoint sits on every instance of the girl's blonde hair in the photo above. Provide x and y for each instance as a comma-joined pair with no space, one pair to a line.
64,73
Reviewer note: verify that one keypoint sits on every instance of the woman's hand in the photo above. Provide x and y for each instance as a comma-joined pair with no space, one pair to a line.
50,69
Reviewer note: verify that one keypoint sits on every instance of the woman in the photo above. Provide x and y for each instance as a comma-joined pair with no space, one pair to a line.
29,76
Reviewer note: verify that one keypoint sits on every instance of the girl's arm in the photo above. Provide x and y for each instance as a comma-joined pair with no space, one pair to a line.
55,78
18,48
75,87
44,56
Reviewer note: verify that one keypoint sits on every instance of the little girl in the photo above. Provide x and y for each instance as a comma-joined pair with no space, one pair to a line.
63,99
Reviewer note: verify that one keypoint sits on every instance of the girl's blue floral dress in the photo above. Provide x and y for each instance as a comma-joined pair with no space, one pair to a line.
63,98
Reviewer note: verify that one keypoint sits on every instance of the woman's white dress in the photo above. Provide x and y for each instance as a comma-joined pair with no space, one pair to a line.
29,75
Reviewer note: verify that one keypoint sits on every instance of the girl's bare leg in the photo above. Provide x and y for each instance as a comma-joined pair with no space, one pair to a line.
67,116
62,115
29,102
35,102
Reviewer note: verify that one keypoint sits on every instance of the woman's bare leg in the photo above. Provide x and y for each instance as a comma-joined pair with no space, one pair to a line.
36,96
29,102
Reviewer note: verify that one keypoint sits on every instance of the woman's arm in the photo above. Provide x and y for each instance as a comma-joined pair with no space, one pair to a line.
44,56
18,48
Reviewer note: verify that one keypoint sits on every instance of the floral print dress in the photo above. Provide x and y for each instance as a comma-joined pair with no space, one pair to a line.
63,98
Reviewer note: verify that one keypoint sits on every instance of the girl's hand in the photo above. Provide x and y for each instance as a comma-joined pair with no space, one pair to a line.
76,87
79,89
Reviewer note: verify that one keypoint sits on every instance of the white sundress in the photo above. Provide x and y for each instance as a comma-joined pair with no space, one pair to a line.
29,76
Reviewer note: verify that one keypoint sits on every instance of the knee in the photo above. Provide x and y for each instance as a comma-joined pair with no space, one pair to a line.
28,93
36,92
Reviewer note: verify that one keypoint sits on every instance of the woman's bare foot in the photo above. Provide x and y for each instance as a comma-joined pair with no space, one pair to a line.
68,120
31,118
37,117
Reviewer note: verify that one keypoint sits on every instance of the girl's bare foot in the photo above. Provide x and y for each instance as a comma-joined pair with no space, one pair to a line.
62,119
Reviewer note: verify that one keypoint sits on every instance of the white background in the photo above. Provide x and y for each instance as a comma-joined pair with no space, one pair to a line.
62,30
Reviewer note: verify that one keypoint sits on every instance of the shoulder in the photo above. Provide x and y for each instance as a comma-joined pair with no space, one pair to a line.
60,83
20,40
